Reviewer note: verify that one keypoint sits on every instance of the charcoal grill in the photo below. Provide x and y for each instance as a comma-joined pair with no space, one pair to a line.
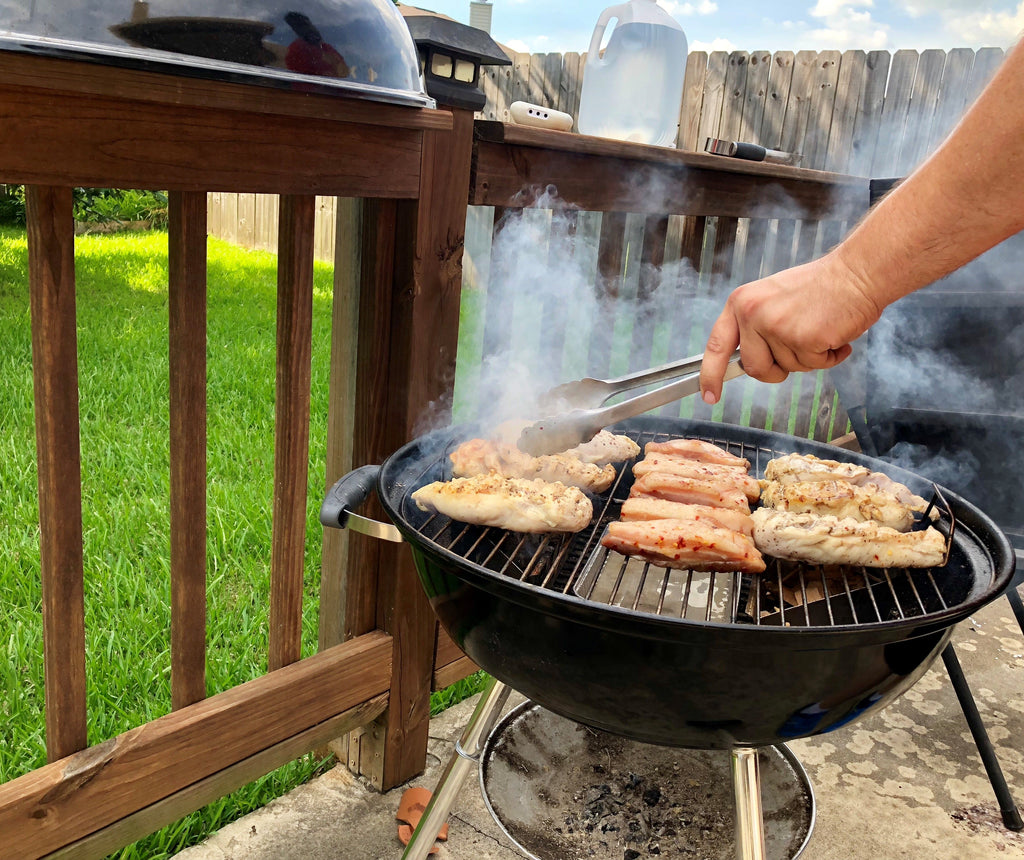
680,658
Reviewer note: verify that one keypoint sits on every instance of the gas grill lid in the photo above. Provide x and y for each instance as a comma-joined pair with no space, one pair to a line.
359,48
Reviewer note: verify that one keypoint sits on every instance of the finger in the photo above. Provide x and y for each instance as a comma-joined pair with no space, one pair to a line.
758,359
821,360
722,343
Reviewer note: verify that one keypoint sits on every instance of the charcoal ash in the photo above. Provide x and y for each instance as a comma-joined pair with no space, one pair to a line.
632,816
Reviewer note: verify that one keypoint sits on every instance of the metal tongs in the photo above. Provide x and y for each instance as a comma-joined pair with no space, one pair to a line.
585,416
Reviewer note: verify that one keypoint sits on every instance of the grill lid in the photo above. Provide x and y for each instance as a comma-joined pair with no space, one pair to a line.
361,48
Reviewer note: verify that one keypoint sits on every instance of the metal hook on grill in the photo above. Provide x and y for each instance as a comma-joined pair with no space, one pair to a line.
939,501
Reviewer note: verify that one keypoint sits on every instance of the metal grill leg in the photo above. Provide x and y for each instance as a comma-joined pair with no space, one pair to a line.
463,760
1007,807
746,783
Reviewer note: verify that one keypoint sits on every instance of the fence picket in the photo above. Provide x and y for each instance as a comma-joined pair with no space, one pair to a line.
894,114
570,84
952,96
869,114
693,100
714,97
825,75
849,100
780,80
917,139
759,66
734,94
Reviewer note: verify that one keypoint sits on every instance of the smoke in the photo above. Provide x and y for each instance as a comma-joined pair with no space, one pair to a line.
940,381
545,302
540,308
550,314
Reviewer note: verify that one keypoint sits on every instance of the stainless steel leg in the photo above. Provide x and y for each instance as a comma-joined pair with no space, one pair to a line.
463,760
746,782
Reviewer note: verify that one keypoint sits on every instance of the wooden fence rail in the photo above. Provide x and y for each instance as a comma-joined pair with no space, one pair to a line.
872,114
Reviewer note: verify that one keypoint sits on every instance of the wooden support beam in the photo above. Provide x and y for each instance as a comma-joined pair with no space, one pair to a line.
291,443
408,324
186,251
606,175
150,819
76,796
55,371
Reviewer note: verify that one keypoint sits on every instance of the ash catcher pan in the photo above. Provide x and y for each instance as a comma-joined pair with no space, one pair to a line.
561,789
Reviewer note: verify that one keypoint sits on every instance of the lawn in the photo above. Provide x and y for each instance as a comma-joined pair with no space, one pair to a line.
122,316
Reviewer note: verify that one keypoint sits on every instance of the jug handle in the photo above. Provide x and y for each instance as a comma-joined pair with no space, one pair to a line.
594,53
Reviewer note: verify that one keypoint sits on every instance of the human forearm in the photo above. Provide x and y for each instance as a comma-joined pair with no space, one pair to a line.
964,199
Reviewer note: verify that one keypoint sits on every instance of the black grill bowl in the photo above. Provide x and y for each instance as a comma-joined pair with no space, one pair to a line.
679,682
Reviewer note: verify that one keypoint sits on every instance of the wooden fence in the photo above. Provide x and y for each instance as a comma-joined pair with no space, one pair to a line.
868,113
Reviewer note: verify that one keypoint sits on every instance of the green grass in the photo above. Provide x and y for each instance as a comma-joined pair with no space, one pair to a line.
122,343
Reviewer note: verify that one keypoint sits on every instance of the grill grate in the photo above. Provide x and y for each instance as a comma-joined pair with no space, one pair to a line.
791,594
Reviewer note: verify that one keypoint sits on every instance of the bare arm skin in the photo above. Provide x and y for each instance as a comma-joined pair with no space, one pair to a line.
964,199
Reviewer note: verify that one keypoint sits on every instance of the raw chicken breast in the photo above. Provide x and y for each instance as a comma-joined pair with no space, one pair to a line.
691,491
638,508
684,544
695,449
725,475
479,456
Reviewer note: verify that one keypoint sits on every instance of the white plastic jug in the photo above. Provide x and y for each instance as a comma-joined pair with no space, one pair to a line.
635,90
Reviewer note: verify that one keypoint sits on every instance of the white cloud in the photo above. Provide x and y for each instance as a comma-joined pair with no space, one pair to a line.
517,45
983,27
847,24
714,45
831,8
702,7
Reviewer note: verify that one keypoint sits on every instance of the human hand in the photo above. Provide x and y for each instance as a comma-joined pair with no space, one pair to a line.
797,320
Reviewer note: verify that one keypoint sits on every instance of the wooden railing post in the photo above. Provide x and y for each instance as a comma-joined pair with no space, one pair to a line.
186,242
408,335
291,443
55,370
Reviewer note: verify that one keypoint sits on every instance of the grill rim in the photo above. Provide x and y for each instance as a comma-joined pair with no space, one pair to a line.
973,523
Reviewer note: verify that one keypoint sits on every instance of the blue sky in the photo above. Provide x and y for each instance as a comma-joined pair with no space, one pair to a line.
540,26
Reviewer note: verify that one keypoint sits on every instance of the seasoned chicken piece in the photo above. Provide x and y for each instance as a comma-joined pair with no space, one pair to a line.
727,476
639,508
478,457
830,540
684,544
695,449
515,504
839,499
793,468
690,491
606,447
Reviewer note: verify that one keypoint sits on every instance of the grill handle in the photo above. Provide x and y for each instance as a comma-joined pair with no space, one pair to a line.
348,493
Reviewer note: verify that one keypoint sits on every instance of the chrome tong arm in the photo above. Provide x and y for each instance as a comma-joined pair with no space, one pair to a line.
561,432
589,393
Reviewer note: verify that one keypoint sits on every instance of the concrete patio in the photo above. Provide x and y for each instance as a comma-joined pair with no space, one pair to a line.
905,783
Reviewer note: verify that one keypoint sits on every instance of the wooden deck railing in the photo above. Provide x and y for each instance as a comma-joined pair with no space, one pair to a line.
407,176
